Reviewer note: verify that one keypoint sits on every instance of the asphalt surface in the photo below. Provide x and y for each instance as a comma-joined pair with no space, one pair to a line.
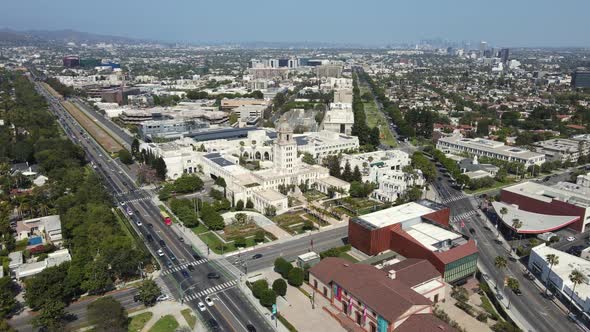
104,121
539,312
77,310
231,311
318,241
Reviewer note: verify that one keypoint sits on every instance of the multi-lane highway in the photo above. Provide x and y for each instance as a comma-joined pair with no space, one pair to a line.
231,310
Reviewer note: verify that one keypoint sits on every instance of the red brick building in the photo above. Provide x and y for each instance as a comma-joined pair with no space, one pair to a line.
416,230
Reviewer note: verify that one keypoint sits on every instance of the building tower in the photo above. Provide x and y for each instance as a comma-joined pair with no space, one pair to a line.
285,150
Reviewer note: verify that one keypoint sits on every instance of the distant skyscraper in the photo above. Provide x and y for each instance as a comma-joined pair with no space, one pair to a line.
483,46
504,54
283,62
581,78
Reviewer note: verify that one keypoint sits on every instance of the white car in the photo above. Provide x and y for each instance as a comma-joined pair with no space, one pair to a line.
201,306
209,301
138,223
160,252
163,297
570,239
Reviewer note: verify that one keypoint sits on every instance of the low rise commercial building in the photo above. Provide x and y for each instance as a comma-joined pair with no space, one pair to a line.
562,199
556,276
230,104
491,149
376,300
416,230
562,149
170,129
339,118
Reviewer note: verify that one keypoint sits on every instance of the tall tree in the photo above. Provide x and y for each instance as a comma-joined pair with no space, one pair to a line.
356,174
51,316
107,314
500,263
576,277
347,173
149,292
553,260
135,147
160,166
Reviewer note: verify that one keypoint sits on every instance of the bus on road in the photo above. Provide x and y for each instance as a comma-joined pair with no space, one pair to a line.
166,218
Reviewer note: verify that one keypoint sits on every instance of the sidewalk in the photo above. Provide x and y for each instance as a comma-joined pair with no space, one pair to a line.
162,309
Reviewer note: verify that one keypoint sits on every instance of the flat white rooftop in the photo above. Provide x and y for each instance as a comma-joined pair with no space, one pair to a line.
532,223
395,215
567,263
545,193
429,235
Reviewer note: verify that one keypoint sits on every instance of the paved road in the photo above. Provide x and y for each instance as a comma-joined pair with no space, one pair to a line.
146,220
78,310
104,121
290,249
539,313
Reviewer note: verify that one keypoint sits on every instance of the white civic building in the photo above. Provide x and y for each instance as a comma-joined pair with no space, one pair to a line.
385,168
278,159
488,148
339,118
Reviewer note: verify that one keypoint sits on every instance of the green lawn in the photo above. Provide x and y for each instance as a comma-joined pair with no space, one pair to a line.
137,322
200,229
189,317
166,324
375,118
314,195
292,222
215,243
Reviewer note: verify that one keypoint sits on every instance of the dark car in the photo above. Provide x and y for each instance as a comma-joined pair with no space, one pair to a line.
257,256
213,275
517,291
181,239
190,267
169,264
149,237
172,257
250,328
149,224
472,230
213,324
196,256
162,243
136,298
185,274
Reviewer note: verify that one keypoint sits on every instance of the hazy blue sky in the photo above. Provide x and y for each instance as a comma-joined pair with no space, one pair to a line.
500,22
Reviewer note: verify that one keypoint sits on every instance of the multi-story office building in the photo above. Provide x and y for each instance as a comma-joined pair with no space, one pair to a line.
504,54
71,61
563,149
492,149
581,78
170,129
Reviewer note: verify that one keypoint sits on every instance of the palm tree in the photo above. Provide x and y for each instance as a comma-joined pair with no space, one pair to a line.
516,224
503,212
576,277
501,263
513,284
553,260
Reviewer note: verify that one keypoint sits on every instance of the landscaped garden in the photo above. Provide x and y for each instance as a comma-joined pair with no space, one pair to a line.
240,232
296,222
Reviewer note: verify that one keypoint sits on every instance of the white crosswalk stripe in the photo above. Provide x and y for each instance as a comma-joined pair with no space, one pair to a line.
211,290
452,199
464,215
183,266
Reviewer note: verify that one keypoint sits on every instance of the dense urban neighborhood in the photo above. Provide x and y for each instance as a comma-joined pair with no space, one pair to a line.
152,186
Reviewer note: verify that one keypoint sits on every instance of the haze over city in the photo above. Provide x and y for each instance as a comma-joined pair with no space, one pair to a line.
366,23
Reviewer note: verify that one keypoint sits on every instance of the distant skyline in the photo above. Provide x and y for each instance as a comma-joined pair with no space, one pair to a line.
514,23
